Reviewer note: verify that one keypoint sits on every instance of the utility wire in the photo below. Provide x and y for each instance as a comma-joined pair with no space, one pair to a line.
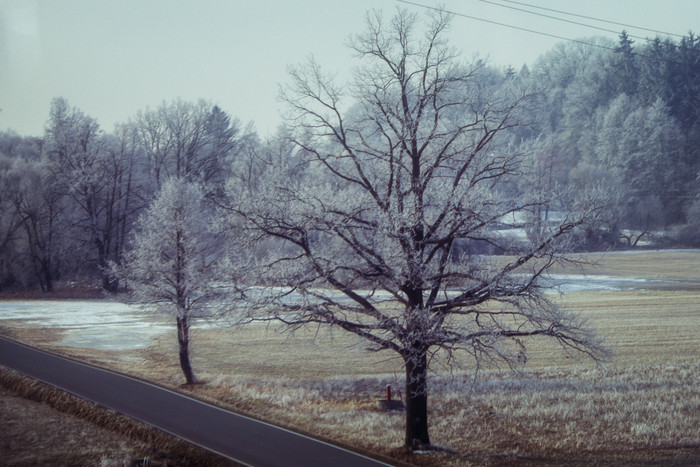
428,7
592,18
565,20
677,46
541,33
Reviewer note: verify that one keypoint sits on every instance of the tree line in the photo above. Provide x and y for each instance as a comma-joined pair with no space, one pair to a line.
70,198
625,115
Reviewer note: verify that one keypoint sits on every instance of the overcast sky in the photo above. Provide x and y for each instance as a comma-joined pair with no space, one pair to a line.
113,58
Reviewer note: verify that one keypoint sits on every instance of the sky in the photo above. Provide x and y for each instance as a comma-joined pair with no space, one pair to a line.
112,58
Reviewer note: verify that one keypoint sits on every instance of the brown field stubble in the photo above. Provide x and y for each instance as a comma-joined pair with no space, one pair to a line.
642,406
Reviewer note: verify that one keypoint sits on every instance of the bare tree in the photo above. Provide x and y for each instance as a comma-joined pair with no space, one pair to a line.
194,141
381,194
40,205
96,172
10,220
32,234
124,195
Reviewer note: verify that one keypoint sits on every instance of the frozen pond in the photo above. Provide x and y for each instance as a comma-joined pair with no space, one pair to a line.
578,282
101,324
96,324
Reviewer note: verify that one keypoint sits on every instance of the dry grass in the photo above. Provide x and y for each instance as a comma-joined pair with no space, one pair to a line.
35,434
673,264
641,407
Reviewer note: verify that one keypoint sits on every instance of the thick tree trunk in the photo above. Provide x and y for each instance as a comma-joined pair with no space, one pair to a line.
183,338
417,401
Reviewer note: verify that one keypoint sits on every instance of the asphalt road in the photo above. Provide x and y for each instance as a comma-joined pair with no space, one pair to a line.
231,435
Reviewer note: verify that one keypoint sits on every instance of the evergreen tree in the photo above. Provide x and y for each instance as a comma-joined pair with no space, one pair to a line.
626,70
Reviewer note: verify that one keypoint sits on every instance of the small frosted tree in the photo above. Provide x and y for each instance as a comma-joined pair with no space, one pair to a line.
171,265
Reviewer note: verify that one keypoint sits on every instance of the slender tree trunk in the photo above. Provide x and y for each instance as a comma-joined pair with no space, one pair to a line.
183,338
417,400
47,279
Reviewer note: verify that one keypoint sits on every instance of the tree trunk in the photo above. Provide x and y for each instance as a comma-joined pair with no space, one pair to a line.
110,283
417,400
46,279
183,338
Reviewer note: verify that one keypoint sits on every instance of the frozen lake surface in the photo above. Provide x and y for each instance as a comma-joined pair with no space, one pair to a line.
108,325
96,324
579,282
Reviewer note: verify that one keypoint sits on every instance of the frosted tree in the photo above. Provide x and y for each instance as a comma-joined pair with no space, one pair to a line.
33,247
626,68
10,221
641,147
96,174
391,177
40,205
171,265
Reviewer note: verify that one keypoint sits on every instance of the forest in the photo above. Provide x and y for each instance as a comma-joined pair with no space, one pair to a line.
621,116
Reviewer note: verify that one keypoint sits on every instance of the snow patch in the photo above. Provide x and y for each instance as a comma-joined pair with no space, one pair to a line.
93,324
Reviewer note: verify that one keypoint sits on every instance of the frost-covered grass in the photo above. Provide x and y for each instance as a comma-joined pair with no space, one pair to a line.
586,414
643,405
631,414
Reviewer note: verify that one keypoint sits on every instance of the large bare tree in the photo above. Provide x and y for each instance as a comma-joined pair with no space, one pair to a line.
395,178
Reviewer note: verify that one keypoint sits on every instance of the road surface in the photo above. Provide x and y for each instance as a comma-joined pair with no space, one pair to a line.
239,438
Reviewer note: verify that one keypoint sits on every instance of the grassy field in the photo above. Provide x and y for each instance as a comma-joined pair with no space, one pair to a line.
641,407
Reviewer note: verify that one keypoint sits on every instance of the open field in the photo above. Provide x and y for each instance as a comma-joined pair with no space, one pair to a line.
641,407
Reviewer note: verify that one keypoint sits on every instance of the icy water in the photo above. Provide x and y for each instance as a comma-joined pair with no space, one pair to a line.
575,283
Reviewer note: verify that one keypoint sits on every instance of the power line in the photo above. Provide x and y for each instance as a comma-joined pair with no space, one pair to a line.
541,33
593,18
428,7
564,20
